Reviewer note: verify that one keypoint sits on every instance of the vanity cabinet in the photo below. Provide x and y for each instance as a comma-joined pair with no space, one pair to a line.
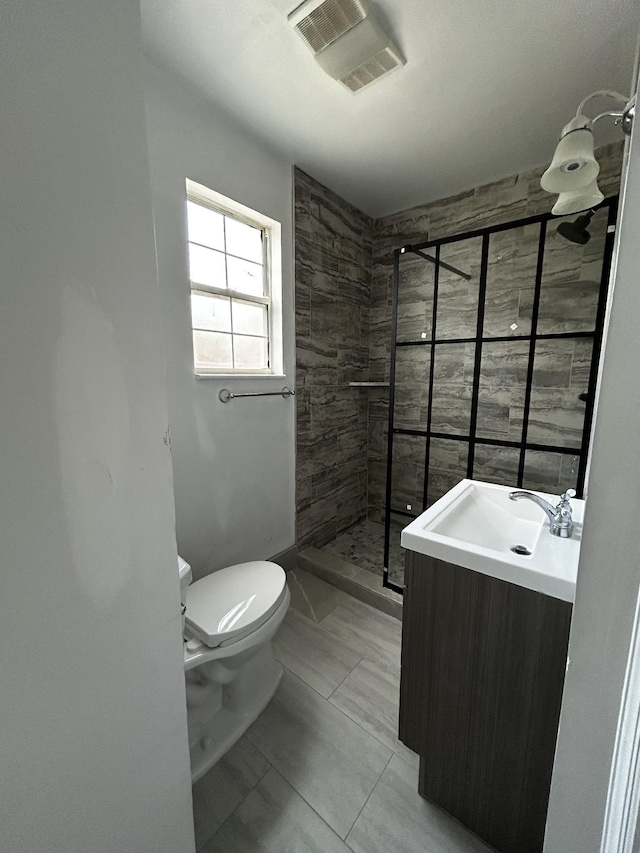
483,666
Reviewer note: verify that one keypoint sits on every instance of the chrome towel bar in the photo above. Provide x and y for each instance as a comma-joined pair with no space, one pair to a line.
225,395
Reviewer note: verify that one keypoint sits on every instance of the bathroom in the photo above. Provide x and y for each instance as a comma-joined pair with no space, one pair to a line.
115,451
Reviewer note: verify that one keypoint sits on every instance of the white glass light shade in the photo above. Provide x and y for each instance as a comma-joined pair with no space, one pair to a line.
573,165
582,199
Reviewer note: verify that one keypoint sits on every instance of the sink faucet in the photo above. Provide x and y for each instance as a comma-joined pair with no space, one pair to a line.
560,519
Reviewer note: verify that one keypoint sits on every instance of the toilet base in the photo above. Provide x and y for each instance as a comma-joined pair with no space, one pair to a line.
213,730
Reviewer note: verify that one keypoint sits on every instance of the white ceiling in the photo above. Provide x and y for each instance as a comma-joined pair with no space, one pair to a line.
485,92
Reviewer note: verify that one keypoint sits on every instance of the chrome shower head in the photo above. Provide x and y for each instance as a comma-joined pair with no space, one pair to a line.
576,232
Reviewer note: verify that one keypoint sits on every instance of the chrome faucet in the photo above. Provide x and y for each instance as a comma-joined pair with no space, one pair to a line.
560,518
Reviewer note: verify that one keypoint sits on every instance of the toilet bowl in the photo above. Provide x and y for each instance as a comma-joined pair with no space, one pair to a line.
229,620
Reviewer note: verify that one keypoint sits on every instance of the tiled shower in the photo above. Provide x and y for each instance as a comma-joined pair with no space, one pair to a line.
344,286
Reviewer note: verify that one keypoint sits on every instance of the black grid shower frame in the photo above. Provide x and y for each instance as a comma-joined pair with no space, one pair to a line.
472,438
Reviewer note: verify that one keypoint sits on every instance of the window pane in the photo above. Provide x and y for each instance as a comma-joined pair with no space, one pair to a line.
212,350
249,319
245,277
211,312
243,240
205,226
250,353
206,266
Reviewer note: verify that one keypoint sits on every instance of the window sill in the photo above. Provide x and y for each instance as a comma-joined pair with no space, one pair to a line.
250,376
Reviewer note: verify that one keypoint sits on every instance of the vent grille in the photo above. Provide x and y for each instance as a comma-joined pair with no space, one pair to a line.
374,68
328,21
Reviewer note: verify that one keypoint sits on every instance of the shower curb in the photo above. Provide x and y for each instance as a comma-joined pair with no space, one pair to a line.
360,583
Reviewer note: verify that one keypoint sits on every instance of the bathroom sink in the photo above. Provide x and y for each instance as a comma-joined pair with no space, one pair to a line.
477,526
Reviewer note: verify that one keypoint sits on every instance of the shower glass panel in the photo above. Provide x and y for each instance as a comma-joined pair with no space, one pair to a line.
407,475
446,459
502,387
413,364
458,288
415,298
550,472
510,282
494,358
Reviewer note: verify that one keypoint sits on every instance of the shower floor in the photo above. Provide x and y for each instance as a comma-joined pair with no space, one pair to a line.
363,546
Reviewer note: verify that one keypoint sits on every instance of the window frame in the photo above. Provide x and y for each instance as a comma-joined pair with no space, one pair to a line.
272,279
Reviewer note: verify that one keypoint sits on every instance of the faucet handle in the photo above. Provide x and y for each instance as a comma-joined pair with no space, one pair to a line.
564,507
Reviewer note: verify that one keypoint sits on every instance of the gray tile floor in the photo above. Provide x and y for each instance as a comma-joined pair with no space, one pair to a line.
363,545
322,770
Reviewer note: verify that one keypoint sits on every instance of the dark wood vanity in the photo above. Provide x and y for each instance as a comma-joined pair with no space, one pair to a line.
483,666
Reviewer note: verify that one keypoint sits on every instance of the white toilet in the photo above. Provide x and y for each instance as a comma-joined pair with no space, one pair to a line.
229,619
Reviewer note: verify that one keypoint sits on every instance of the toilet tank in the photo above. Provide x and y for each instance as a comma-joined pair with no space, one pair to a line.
184,573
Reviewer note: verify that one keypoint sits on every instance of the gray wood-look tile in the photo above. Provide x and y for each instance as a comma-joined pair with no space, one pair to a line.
225,786
275,819
372,632
370,695
311,596
397,818
327,758
321,660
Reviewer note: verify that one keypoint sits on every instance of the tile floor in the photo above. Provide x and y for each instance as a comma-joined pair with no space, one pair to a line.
363,545
322,770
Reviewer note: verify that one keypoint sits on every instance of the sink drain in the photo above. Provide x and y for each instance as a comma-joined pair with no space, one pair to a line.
522,550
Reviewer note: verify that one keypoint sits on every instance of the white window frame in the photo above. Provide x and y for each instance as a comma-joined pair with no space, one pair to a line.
272,266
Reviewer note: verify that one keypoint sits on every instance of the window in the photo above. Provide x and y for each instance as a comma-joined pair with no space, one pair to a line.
235,275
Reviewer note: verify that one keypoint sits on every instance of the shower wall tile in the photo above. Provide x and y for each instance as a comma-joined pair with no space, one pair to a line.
542,471
556,417
496,464
333,248
581,364
568,307
552,364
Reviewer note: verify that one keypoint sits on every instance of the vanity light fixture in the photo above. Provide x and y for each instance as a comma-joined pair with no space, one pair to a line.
574,169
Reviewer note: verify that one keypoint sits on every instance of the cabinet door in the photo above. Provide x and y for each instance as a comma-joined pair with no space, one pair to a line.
483,664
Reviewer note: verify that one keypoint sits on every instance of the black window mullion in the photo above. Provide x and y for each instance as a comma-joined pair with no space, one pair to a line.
532,350
478,354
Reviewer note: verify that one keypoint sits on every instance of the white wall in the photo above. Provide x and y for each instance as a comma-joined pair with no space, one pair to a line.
93,744
233,463
609,572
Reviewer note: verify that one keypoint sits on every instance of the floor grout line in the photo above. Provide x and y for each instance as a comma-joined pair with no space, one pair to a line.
367,800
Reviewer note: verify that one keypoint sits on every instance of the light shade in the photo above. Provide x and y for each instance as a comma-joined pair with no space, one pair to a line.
573,165
577,200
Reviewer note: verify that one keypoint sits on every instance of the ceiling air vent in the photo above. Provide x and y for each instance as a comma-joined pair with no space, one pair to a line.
349,44
362,55
320,22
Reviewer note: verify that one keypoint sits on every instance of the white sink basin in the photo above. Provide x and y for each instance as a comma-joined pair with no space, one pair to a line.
476,525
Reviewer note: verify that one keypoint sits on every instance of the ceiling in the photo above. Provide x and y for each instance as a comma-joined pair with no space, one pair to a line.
485,92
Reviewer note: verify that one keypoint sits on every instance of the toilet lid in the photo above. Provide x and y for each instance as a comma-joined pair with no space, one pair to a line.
231,603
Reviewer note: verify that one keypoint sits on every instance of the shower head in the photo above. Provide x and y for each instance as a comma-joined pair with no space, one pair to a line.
576,232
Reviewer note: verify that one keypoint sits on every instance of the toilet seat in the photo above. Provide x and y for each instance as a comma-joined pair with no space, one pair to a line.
230,604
